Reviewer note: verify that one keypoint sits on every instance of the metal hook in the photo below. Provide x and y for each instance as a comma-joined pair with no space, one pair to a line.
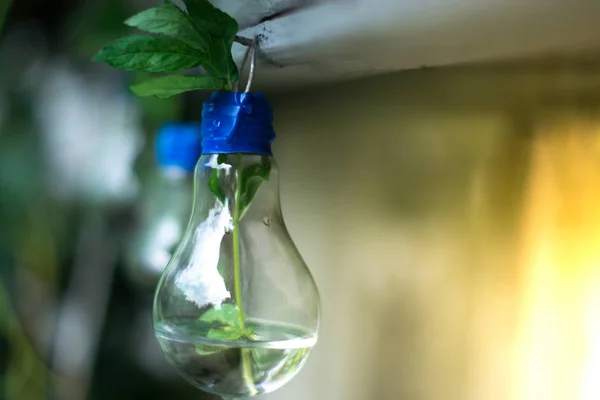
250,55
261,53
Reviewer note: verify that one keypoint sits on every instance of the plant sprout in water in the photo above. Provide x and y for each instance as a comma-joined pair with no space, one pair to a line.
236,311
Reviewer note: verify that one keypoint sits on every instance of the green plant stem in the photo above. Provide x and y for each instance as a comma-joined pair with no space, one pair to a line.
236,247
237,277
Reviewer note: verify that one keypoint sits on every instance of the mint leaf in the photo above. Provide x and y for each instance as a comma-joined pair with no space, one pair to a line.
221,29
208,18
150,54
252,177
224,323
199,35
220,62
170,85
226,314
168,19
213,182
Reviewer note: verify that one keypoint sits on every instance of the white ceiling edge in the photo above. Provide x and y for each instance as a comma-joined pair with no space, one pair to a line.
340,39
250,12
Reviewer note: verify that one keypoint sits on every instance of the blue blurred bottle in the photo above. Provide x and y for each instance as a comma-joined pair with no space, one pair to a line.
166,204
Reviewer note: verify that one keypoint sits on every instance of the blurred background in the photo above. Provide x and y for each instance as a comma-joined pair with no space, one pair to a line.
450,216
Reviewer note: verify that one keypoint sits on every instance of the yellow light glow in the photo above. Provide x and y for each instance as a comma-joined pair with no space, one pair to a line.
557,356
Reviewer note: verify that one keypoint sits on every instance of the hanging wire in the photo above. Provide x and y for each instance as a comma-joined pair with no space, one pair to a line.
252,51
250,55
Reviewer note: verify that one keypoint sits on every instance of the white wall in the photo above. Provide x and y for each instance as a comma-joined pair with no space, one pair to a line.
403,193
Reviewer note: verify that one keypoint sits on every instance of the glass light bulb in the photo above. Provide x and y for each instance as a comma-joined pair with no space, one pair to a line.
166,204
165,213
236,311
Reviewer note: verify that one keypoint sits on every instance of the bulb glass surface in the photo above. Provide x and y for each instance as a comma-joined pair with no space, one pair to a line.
236,311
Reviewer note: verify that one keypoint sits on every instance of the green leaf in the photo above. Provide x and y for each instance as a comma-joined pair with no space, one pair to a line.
168,19
150,54
221,29
252,177
224,325
220,62
227,314
95,25
213,182
200,35
170,85
155,110
208,18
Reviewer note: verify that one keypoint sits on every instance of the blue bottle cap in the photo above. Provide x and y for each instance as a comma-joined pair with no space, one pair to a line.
237,123
179,145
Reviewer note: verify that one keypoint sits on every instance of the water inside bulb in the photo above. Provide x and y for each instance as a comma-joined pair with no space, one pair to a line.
262,362
236,311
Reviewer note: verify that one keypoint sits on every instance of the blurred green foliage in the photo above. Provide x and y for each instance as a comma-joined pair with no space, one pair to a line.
95,24
4,7
39,234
